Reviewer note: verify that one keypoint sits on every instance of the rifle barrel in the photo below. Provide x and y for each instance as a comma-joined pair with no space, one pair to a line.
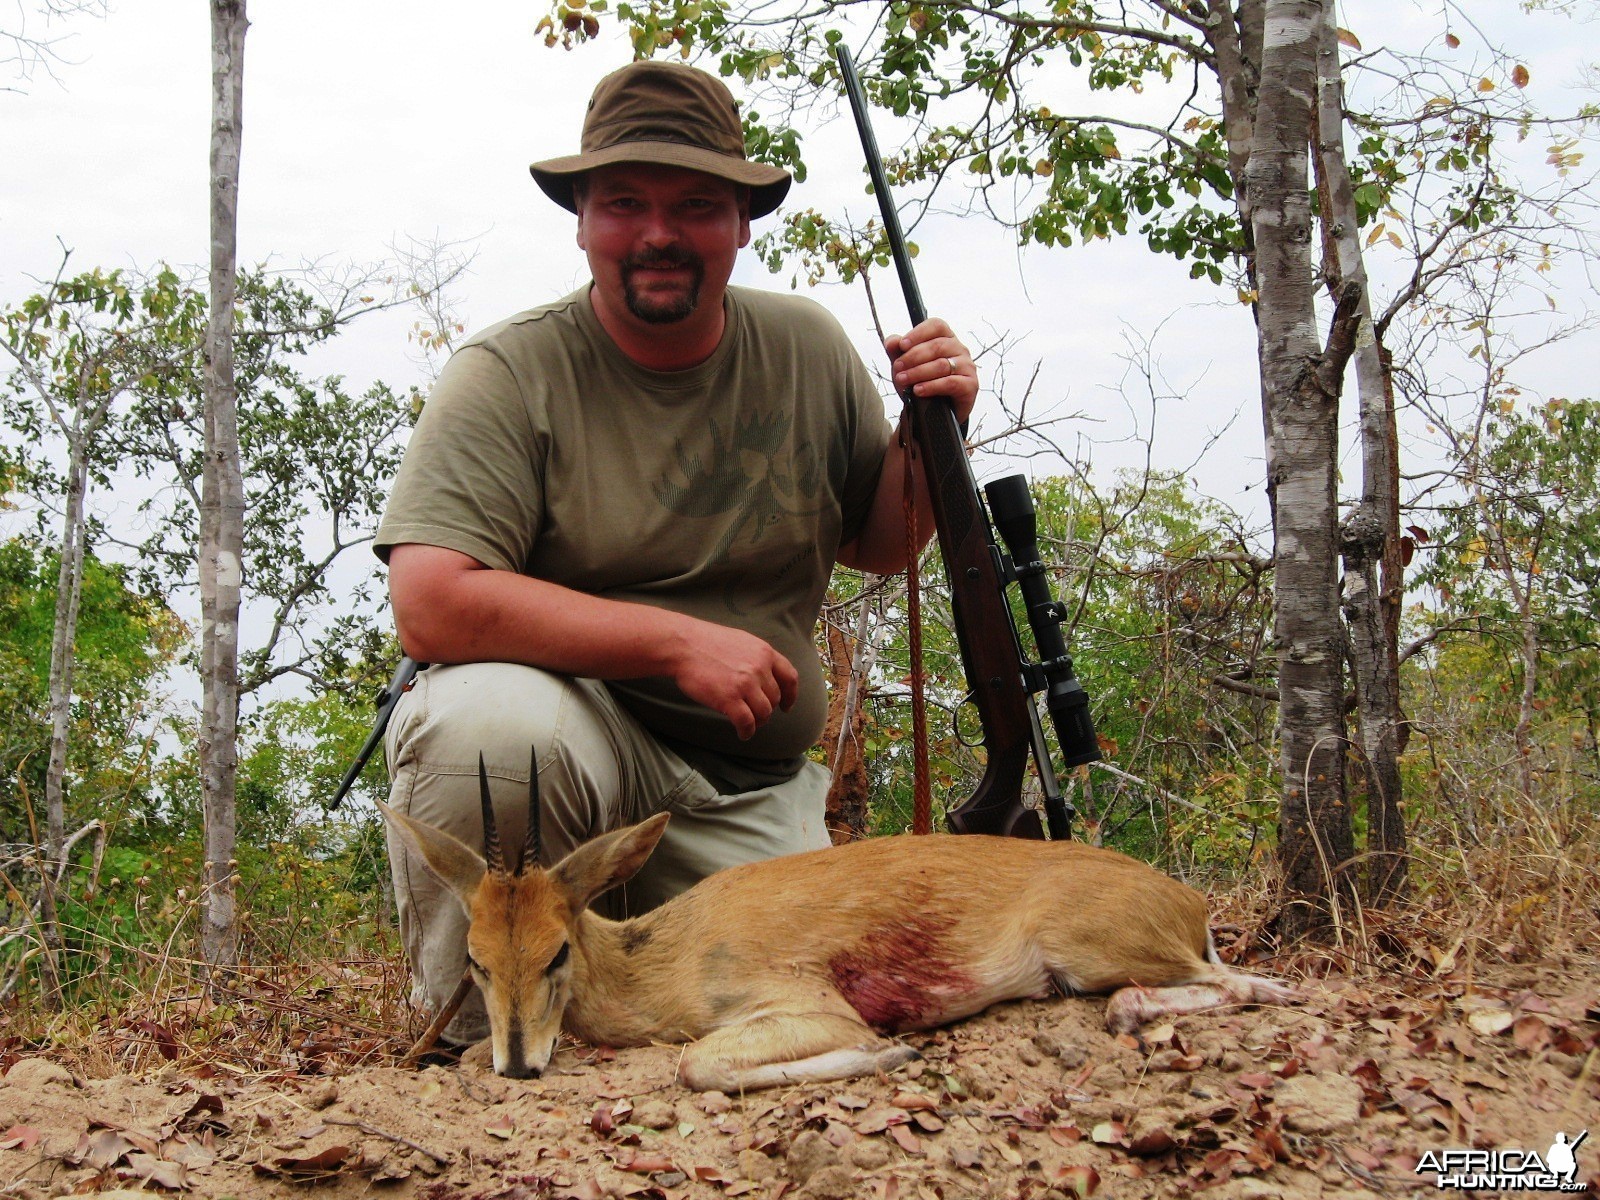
880,186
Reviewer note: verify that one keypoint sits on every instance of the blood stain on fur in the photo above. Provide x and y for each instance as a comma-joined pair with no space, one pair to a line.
899,976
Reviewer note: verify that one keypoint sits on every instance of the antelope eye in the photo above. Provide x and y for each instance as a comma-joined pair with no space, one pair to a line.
560,960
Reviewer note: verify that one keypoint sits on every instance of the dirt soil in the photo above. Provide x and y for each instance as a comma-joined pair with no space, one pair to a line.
1341,1095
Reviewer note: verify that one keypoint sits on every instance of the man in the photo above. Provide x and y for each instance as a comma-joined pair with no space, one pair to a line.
616,521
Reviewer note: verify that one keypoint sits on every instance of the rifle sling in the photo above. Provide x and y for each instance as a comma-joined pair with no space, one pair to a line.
922,788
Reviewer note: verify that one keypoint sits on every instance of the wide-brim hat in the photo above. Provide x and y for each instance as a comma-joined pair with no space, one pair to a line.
672,115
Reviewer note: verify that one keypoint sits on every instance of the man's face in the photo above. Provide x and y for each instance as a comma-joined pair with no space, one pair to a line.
660,239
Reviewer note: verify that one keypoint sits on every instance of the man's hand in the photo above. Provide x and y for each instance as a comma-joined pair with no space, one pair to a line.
735,673
931,361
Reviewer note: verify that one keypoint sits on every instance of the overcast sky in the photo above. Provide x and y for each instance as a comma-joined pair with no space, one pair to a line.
368,123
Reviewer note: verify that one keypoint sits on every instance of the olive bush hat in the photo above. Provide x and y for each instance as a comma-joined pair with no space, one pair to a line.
661,112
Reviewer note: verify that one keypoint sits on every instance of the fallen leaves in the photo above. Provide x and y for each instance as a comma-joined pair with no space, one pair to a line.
1109,1133
646,1164
1489,1021
164,1039
1533,1024
136,1156
327,1163
905,1139
163,1156
1169,1051
1081,1181
1019,1105
1153,1143
968,1158
19,1137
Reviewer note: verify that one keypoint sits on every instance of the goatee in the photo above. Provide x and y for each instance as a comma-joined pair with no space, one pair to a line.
669,309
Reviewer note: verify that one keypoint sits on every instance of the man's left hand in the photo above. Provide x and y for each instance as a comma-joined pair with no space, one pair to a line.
931,361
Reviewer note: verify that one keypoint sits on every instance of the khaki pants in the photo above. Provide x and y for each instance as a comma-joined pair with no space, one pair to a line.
598,770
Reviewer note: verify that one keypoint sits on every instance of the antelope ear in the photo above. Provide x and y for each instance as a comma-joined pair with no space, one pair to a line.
449,860
598,866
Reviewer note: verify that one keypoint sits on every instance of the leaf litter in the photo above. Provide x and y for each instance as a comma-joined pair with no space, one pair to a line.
1340,1096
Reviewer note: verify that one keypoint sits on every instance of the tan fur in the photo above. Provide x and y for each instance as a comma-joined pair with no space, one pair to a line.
790,970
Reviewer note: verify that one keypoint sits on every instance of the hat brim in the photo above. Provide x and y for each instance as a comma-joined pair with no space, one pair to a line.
768,184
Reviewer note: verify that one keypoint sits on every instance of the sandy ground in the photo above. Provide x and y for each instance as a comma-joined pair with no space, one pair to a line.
1343,1095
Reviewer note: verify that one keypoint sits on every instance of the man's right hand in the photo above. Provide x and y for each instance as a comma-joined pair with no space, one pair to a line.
735,673
450,608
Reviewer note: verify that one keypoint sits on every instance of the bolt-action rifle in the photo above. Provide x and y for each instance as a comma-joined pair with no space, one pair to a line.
1001,680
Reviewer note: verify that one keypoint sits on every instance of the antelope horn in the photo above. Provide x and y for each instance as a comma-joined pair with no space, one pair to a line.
492,854
530,844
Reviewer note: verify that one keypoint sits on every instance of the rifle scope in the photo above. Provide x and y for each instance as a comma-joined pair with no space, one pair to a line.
1011,508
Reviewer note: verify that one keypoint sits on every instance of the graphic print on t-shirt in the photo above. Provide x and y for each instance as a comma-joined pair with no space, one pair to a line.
747,475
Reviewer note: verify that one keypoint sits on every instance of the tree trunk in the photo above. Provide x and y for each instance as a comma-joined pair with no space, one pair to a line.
1370,536
1236,46
847,814
63,639
222,502
1300,394
1522,735
69,592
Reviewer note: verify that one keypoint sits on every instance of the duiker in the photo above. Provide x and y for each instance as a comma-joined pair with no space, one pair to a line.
793,969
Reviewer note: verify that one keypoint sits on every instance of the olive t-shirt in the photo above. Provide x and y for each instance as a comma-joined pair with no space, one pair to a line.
723,491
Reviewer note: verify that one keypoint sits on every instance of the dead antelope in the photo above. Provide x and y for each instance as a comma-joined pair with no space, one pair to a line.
790,970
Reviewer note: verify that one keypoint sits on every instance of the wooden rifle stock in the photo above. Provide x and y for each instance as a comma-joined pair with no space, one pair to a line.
991,653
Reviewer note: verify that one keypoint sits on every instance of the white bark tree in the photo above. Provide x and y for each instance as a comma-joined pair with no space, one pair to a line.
78,348
222,501
1370,534
1300,385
